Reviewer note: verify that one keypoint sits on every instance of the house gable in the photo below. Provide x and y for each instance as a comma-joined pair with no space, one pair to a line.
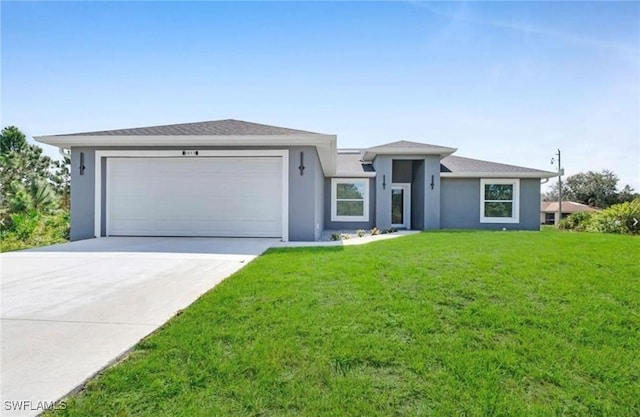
191,136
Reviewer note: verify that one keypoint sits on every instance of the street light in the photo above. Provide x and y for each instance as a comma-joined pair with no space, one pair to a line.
560,174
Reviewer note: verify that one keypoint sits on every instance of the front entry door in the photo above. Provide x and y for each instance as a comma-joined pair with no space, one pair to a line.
401,206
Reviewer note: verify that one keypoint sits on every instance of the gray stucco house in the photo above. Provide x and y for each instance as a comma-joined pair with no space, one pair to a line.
234,178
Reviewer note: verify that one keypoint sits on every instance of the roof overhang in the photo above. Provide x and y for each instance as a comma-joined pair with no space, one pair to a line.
538,174
369,155
339,174
567,207
325,144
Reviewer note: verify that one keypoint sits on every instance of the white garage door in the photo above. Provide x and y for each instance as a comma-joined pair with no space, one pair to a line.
202,196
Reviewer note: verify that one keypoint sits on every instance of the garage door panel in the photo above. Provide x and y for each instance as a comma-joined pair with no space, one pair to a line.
195,196
186,228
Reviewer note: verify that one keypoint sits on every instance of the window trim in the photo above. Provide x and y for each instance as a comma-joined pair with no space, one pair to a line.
515,214
334,200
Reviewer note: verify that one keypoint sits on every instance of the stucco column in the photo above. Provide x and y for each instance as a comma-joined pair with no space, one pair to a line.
83,196
383,167
432,195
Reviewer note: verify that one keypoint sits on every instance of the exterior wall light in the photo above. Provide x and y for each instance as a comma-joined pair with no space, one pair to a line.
82,167
301,167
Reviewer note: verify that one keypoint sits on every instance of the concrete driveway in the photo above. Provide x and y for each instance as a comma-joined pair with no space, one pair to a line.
68,310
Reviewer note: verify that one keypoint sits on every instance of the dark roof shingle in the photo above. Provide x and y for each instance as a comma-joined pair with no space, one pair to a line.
401,144
227,127
459,164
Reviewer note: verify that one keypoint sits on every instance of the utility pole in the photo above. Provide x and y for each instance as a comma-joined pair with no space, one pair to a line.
560,173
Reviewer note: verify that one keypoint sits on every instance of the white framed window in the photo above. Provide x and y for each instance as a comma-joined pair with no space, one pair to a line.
349,199
499,200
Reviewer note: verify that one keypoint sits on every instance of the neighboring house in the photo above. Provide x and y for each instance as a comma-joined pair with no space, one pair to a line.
549,210
234,178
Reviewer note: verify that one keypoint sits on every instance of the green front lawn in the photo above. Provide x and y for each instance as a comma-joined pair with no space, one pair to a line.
442,324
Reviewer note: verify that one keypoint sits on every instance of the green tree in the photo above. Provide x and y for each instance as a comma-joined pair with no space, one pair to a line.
596,189
61,180
39,196
627,195
34,194
12,140
20,162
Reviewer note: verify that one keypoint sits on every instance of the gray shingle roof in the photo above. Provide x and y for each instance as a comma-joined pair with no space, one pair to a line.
348,164
458,164
405,147
567,207
228,127
405,144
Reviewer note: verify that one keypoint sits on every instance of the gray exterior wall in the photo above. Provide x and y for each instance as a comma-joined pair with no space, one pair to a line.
320,201
303,197
453,203
82,194
425,201
384,178
331,225
460,205
432,195
305,191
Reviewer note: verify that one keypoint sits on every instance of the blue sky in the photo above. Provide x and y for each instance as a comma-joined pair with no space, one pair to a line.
508,82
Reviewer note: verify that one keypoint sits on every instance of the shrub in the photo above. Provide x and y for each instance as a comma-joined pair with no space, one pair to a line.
619,218
56,227
24,224
31,229
10,242
38,196
361,233
336,236
375,231
576,221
